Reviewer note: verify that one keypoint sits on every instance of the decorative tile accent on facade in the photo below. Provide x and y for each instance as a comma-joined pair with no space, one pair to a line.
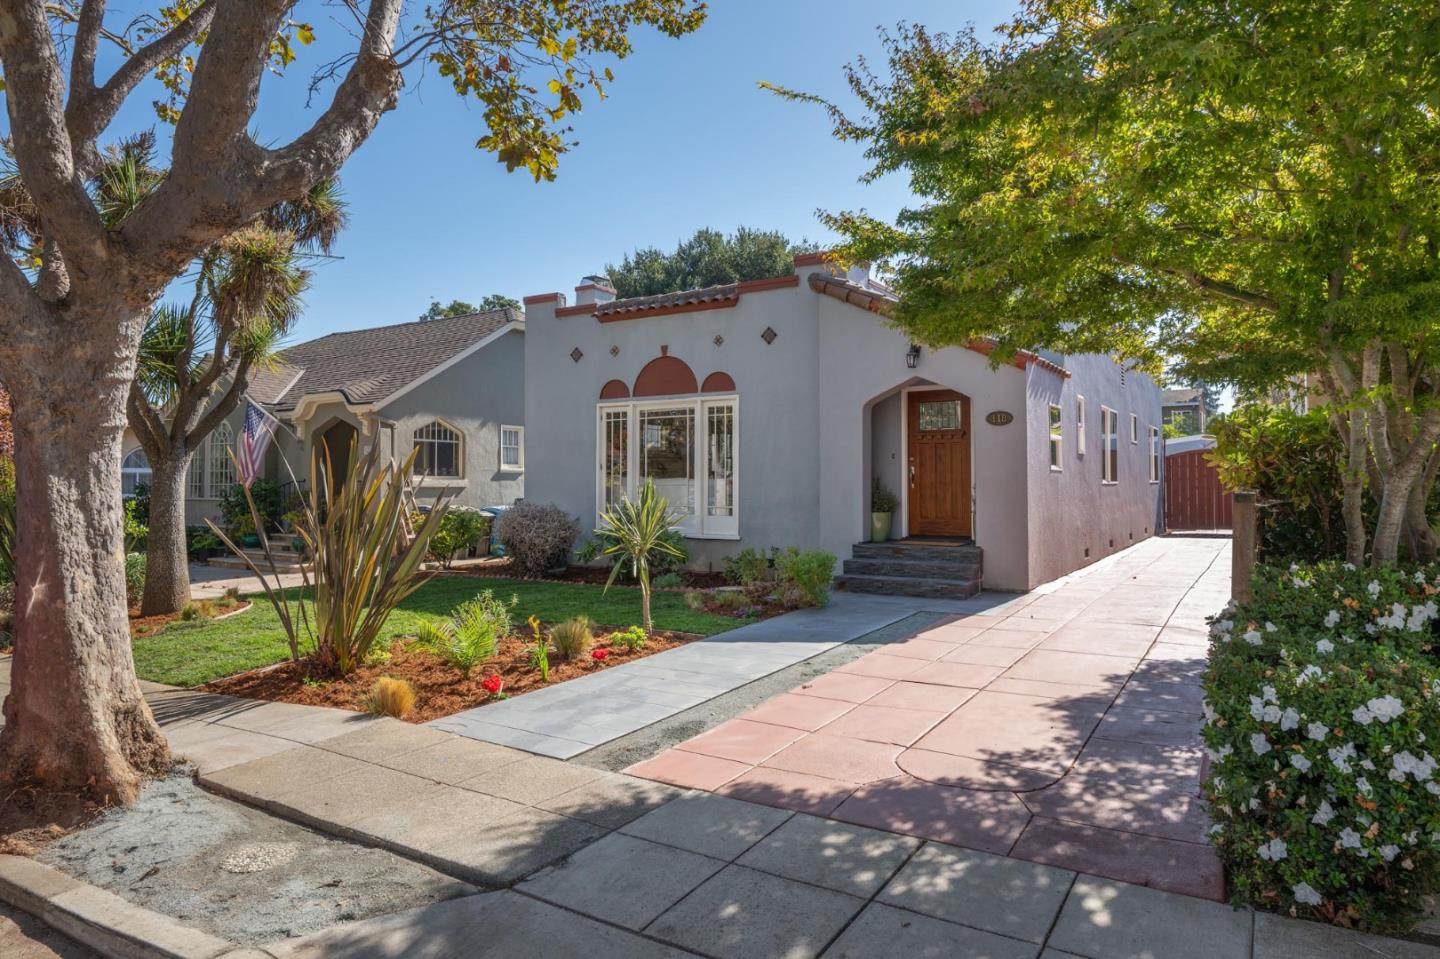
768,336
576,355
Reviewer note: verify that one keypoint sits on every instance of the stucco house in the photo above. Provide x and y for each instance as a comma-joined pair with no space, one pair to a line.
1183,409
452,387
763,410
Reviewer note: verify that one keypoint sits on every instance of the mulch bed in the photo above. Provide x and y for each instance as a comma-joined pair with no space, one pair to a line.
146,625
596,575
32,818
440,689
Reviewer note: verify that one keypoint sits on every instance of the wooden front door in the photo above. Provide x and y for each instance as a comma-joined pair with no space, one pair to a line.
938,447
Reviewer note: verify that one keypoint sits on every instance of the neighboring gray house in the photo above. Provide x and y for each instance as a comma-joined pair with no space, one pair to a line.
1183,409
453,387
763,409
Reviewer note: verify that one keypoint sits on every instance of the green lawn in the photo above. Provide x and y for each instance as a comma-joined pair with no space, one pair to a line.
190,653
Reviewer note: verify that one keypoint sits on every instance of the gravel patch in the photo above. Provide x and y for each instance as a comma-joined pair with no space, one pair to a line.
658,737
237,873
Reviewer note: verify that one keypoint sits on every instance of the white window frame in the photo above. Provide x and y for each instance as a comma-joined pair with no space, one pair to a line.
1109,447
1079,424
519,446
1154,455
136,474
219,468
416,439
1056,426
1134,429
699,524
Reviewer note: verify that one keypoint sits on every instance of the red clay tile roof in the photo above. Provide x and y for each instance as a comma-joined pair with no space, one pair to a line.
876,302
662,301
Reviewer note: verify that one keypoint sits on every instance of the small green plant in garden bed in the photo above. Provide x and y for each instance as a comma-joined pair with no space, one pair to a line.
1322,702
631,639
134,577
748,566
471,634
804,576
573,638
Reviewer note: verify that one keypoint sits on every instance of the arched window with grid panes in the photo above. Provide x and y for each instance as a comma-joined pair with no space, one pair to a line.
438,446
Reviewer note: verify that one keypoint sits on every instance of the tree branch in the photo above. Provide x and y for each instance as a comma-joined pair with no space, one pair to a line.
1224,290
34,93
146,423
225,405
91,109
87,40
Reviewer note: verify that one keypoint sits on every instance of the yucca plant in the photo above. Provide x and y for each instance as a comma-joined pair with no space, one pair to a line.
472,632
363,558
637,531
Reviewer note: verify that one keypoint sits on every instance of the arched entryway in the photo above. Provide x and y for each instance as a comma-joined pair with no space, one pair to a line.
338,440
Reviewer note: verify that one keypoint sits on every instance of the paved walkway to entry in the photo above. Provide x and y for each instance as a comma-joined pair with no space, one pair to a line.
1063,728
573,717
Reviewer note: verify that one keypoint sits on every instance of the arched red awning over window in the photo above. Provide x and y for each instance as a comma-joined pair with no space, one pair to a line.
666,376
718,382
614,390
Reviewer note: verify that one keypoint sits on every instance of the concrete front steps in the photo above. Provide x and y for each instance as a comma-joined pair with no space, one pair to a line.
285,557
901,568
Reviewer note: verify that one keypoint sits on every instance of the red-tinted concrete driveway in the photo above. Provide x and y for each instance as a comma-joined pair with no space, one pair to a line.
1062,728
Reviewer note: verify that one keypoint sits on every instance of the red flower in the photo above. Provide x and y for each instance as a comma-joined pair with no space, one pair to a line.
492,684
599,654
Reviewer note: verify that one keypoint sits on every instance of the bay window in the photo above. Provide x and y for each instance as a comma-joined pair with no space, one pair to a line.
687,448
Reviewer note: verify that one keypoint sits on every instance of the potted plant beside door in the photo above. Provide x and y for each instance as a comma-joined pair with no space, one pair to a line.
882,510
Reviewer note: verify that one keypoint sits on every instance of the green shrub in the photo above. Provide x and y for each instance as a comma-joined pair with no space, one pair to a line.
462,528
538,537
669,581
1293,461
745,567
665,559
805,575
632,639
200,543
881,499
572,638
137,534
1321,711
472,632
269,501
134,578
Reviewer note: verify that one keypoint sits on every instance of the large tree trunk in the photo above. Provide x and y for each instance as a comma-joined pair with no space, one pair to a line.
1395,498
75,718
1353,483
167,560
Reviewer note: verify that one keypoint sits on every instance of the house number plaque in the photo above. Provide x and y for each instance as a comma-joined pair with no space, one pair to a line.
1000,418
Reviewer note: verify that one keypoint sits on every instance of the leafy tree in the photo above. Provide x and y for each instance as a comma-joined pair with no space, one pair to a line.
196,361
709,258
495,301
84,275
1247,186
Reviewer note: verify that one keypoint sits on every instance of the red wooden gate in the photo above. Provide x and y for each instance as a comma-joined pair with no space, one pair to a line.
1194,498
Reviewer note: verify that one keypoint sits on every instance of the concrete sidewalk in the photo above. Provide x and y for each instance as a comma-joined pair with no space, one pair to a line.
570,718
1064,731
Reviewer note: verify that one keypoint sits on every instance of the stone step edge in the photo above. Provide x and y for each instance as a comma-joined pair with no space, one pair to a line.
102,920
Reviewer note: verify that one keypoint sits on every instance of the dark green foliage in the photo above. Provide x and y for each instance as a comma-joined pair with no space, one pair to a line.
881,499
134,578
666,559
1322,716
462,528
270,502
1293,461
200,543
495,301
804,576
708,258
745,567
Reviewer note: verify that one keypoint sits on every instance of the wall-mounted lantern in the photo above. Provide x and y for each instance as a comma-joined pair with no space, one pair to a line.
912,356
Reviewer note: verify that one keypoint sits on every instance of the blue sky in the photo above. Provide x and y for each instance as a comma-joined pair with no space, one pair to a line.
685,140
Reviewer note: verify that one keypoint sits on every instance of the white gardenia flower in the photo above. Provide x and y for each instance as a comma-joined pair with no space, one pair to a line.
1270,627
1252,637
1385,708
1260,744
1308,673
1332,619
1373,589
1275,850
1300,762
1420,615
1363,785
1341,756
1305,894
1396,619
1406,763
1324,814
1208,710
1349,838
1316,731
1324,646
1290,719
1388,852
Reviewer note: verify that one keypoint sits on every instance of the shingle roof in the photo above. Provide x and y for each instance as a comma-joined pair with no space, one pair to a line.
1180,396
367,366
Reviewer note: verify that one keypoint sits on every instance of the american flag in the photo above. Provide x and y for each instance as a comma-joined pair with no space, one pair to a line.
254,441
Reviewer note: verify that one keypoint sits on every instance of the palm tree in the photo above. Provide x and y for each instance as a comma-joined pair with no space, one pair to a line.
633,531
196,359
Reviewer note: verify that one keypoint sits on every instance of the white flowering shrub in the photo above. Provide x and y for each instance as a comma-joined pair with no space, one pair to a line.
1322,704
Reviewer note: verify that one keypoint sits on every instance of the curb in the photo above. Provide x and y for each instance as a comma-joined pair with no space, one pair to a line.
102,920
